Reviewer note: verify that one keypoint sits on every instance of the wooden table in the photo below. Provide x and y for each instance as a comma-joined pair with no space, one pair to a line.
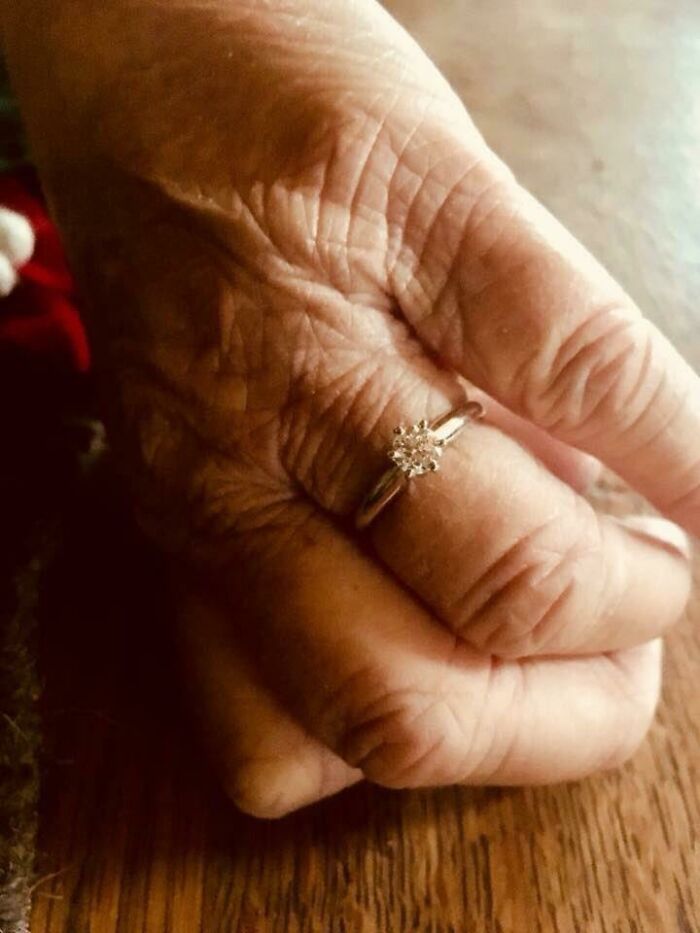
596,104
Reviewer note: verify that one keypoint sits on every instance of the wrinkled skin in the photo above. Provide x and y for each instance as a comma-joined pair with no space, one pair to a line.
291,238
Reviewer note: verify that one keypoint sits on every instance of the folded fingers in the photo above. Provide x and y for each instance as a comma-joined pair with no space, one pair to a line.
366,670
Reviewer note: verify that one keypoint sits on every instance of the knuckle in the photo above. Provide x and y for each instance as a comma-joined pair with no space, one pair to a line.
603,369
403,738
525,601
465,208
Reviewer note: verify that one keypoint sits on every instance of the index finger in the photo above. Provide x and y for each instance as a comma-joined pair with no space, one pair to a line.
502,293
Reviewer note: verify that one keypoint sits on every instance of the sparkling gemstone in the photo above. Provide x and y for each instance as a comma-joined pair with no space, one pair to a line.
416,450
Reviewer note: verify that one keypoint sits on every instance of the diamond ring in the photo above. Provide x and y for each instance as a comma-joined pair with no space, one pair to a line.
414,450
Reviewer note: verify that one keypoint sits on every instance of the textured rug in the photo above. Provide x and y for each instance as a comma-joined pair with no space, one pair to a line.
19,731
49,442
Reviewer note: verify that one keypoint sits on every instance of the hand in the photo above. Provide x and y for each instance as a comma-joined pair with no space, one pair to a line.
292,239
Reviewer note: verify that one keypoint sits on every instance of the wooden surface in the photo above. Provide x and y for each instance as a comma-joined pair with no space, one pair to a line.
595,104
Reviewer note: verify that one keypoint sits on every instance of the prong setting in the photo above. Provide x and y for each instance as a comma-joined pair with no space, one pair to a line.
416,450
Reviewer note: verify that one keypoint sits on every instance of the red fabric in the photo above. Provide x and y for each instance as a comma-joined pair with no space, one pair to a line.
40,315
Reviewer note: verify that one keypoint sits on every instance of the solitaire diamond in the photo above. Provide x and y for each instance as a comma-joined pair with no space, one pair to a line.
416,450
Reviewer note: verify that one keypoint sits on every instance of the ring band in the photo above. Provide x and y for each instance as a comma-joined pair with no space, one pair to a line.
415,450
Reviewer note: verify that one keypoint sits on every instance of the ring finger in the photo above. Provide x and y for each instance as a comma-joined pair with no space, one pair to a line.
509,557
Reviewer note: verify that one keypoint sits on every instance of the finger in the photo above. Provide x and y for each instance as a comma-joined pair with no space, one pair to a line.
269,764
501,551
372,675
517,564
574,467
503,294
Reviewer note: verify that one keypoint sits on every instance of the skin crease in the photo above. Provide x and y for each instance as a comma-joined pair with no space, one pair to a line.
291,238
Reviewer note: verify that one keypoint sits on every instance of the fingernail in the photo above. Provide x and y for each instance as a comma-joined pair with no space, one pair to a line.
661,531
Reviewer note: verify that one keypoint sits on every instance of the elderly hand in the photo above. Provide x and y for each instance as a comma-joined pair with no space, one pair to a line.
292,239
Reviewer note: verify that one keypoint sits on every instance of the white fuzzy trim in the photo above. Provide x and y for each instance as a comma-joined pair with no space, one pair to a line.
16,237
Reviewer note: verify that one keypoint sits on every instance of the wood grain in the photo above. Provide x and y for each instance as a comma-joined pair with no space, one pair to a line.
595,106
